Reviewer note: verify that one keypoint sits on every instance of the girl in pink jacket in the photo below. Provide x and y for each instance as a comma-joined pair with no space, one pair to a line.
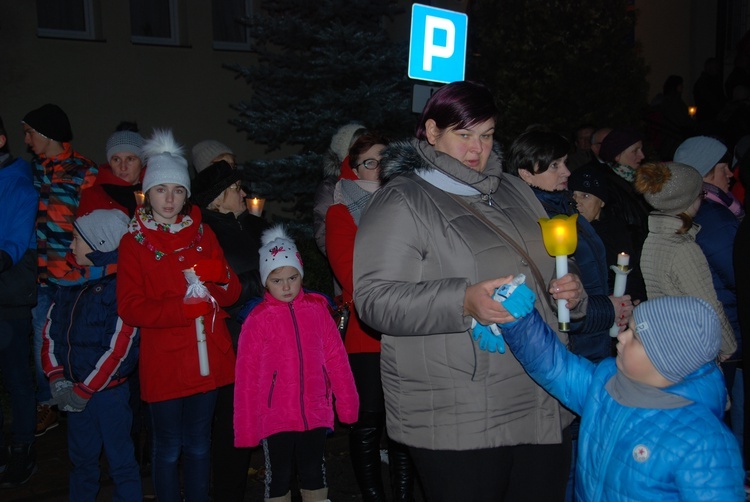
291,364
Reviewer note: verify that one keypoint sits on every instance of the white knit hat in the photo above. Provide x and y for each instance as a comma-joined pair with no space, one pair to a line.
166,163
343,139
278,250
125,141
206,151
102,229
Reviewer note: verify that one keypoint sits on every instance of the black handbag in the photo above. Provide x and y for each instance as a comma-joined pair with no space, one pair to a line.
341,313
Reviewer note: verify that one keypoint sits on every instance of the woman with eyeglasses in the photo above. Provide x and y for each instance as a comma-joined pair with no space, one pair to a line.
217,190
444,231
351,195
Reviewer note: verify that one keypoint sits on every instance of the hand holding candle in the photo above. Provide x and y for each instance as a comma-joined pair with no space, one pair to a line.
560,240
197,294
621,271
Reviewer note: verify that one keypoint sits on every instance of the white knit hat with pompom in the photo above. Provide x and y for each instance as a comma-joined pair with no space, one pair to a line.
166,161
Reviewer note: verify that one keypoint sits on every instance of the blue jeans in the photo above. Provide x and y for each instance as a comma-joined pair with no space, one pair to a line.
14,366
105,422
45,295
182,426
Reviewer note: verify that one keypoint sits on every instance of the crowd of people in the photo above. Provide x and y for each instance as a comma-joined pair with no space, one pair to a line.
170,325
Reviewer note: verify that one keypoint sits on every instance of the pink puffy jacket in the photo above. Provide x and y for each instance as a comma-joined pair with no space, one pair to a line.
291,363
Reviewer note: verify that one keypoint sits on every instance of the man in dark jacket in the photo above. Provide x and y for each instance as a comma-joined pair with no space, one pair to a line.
17,296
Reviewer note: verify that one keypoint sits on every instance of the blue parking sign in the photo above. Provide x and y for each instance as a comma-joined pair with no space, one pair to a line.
437,46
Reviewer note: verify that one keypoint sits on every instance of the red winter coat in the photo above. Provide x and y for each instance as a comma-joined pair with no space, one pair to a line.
97,198
340,234
150,294
290,366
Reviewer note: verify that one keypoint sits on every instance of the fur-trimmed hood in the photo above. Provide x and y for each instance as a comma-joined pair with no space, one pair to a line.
409,156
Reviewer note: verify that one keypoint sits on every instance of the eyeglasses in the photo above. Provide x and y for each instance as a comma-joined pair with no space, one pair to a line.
369,164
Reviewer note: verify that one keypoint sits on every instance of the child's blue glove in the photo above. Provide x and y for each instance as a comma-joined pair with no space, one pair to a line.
519,303
488,340
518,300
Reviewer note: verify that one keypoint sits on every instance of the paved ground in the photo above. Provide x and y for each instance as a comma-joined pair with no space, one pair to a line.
50,483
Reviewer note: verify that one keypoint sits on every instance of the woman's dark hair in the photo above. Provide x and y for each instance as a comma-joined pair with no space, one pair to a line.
671,85
535,150
459,105
363,143
184,212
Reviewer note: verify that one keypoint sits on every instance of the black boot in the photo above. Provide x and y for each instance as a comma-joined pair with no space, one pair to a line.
21,466
402,472
364,448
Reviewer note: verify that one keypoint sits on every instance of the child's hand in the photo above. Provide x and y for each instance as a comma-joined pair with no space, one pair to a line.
211,270
195,310
58,387
71,402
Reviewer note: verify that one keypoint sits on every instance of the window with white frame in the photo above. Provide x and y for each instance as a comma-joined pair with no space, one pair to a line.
228,32
78,19
156,22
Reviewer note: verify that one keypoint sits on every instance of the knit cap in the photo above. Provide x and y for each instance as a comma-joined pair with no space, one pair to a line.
700,152
102,229
212,181
125,141
50,121
278,250
343,139
617,141
206,151
589,179
670,188
166,163
679,333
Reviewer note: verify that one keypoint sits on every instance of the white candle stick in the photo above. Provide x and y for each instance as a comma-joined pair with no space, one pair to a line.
563,314
200,331
621,271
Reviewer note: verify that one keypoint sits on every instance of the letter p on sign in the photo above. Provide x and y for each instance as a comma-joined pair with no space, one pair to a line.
437,46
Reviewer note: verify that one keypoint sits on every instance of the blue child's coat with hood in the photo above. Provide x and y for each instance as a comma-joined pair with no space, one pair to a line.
629,453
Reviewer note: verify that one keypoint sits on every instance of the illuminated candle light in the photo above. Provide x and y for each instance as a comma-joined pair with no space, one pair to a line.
692,110
560,240
255,205
140,197
621,270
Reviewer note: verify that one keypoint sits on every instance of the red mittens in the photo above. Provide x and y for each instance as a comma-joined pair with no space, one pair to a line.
195,310
211,270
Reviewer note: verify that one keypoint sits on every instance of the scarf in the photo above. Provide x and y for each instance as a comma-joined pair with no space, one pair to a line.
633,394
727,200
165,238
354,194
625,172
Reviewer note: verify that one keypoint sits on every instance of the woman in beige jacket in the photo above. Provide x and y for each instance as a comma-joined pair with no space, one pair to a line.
671,262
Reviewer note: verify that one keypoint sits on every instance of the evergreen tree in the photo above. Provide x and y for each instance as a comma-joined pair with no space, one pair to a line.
320,65
558,63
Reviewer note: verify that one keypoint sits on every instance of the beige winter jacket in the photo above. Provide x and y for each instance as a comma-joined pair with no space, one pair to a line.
416,251
674,265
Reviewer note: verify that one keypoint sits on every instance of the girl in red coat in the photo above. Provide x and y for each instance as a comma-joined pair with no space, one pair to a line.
164,238
291,364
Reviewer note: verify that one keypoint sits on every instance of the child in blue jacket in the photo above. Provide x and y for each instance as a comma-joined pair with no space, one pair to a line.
651,418
88,354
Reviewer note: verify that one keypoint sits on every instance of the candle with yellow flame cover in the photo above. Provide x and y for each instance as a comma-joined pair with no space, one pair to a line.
560,240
